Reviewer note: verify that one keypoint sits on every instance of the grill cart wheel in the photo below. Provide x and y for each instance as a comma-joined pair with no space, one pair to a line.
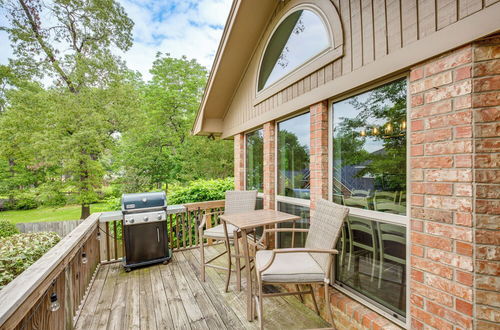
127,269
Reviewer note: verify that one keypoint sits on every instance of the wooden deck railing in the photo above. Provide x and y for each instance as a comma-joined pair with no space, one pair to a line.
25,302
66,270
182,229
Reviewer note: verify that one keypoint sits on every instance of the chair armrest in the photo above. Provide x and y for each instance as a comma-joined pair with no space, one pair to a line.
205,216
295,250
280,230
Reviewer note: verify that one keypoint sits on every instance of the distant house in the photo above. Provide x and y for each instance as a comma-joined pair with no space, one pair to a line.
416,79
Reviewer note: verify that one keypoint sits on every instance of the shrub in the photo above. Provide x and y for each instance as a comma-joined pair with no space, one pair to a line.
200,191
7,228
20,251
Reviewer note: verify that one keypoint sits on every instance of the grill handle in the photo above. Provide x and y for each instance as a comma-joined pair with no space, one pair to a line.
158,234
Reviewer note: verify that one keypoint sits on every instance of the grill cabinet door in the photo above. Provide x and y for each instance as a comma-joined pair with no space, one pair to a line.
145,242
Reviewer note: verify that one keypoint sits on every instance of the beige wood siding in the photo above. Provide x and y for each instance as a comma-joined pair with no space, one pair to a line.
372,30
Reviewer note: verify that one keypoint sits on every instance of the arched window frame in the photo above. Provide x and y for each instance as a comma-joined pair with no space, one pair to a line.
328,14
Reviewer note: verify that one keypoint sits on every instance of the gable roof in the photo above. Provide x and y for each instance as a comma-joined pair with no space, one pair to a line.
247,21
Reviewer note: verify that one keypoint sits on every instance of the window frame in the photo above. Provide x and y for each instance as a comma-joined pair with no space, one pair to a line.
259,194
401,220
330,18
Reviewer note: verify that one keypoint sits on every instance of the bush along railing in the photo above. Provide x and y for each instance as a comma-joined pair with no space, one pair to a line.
182,227
48,294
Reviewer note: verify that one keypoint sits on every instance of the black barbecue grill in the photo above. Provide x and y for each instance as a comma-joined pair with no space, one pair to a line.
145,229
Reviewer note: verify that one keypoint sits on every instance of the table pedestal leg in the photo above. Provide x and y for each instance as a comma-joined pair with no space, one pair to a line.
248,274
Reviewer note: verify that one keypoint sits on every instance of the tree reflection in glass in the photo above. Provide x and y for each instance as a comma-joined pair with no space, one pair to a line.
369,158
255,160
293,157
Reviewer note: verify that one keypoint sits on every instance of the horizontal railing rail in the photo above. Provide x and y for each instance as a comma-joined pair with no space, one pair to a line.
68,268
65,270
182,229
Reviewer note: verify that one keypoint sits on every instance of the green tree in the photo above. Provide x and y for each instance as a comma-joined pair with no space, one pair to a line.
70,42
159,149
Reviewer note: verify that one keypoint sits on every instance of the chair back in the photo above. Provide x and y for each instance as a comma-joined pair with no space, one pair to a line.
240,201
325,228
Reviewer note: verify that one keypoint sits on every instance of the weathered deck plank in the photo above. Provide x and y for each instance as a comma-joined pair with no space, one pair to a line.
172,297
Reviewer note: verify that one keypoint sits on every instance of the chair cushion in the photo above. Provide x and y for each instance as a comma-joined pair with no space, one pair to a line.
296,267
218,231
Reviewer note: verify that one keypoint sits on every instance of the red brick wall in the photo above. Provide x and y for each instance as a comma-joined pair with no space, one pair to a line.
455,217
442,184
239,161
269,165
486,111
319,151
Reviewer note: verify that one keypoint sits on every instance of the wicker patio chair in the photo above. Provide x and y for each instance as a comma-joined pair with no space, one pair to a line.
302,266
235,202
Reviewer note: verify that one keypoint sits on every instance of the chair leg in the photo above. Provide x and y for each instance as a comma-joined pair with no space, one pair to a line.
314,299
380,269
298,290
202,255
328,306
228,247
261,307
237,261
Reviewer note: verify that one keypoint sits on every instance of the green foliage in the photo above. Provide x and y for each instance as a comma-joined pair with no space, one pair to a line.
159,149
200,191
20,251
64,131
7,228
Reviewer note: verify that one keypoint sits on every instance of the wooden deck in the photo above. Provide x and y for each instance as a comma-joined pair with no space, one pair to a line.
172,297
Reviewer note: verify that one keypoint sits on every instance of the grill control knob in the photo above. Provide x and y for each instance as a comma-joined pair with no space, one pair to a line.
131,220
159,216
146,218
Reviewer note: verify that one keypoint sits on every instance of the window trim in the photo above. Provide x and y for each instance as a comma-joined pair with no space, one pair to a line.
402,220
259,194
333,25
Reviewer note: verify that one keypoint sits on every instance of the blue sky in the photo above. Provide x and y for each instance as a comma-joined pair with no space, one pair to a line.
179,27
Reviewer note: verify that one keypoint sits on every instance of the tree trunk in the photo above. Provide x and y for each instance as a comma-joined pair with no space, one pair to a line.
85,211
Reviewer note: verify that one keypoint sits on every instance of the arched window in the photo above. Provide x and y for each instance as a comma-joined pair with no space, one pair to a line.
298,38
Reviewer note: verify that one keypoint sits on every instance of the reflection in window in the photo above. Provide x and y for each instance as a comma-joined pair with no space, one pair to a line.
296,40
372,261
289,240
293,157
369,157
254,160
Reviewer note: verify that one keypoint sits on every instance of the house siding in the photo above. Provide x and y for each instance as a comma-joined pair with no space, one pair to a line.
372,30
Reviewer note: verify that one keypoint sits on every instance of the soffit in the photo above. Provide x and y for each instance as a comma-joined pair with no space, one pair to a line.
247,21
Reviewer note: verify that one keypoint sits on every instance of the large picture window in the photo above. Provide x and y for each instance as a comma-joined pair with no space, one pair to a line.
369,175
293,157
254,160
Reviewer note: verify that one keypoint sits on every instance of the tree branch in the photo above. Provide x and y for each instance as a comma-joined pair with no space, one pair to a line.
47,50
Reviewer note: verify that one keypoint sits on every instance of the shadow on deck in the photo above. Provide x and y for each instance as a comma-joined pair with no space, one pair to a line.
172,297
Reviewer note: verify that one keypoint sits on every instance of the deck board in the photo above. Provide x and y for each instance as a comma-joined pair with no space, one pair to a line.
172,297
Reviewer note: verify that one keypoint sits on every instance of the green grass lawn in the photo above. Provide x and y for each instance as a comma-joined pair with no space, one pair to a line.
43,214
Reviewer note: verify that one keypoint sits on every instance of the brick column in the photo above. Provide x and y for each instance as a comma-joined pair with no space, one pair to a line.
441,178
319,151
239,161
486,108
269,165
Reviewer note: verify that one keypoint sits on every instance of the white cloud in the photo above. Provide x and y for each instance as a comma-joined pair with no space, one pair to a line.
179,27
190,28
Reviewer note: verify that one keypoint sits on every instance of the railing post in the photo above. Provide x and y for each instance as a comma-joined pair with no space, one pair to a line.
68,297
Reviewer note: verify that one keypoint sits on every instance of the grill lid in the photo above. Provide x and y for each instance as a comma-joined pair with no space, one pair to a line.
143,200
